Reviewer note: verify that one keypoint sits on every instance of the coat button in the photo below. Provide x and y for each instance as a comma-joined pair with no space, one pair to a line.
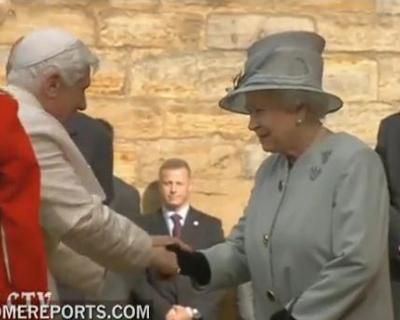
271,295
266,239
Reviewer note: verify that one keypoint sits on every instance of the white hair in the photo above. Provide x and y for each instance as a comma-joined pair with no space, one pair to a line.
293,99
72,63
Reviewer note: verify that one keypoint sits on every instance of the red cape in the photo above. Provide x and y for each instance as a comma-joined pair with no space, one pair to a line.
23,265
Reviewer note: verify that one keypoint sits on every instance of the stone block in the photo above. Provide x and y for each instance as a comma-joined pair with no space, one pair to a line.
201,75
239,31
28,18
132,119
149,30
352,77
361,119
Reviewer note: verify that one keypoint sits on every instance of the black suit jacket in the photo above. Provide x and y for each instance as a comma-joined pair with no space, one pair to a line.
388,147
126,200
200,231
96,145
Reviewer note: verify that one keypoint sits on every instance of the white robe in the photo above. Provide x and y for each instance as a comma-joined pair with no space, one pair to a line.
80,232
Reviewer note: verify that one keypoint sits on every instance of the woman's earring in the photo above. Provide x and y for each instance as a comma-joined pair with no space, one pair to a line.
299,122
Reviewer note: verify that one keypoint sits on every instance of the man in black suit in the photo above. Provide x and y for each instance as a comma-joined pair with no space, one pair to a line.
388,147
95,142
126,200
178,218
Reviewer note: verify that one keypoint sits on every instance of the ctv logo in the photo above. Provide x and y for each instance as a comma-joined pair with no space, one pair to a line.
29,297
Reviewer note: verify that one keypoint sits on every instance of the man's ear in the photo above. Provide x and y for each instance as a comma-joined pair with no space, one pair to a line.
52,84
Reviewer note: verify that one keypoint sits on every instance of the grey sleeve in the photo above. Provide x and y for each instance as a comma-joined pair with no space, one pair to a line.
228,261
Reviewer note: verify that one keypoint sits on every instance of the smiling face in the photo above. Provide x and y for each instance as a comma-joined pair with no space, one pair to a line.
274,125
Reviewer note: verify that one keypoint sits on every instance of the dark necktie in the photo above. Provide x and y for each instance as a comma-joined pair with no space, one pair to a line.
176,230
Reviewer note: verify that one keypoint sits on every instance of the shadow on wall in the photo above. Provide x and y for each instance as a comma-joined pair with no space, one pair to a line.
151,200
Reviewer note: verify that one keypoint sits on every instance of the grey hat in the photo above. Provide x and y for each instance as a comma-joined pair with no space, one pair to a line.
283,61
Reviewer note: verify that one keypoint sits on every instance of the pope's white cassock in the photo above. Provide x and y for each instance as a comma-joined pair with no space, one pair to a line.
80,232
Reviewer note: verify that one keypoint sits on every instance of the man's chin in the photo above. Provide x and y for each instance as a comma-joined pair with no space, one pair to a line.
172,206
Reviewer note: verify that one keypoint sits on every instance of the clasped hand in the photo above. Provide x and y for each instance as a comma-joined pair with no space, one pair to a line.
163,257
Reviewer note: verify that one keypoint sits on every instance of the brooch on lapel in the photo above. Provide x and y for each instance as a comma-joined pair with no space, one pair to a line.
195,223
315,171
325,156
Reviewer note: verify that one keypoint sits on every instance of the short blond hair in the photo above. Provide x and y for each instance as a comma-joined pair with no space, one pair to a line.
175,163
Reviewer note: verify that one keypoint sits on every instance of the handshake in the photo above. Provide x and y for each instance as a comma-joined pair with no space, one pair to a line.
171,256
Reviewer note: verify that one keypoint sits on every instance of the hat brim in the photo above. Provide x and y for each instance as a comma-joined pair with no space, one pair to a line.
235,101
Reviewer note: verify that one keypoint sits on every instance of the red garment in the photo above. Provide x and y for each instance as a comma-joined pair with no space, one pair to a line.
23,265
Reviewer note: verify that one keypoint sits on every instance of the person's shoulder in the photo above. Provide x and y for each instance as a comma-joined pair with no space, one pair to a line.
8,104
345,141
390,126
347,148
38,123
205,216
268,166
82,123
153,217
5,94
82,119
123,186
393,119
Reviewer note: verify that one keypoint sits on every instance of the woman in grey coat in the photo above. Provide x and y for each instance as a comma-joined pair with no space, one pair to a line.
313,238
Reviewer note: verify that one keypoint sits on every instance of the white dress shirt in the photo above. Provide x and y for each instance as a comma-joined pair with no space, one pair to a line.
183,211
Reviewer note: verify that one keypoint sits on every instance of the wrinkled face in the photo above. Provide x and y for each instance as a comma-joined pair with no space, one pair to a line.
66,99
274,126
175,187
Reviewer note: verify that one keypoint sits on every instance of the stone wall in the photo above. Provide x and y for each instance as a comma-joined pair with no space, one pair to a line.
165,64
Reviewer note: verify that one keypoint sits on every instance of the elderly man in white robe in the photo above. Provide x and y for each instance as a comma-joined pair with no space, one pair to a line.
48,73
